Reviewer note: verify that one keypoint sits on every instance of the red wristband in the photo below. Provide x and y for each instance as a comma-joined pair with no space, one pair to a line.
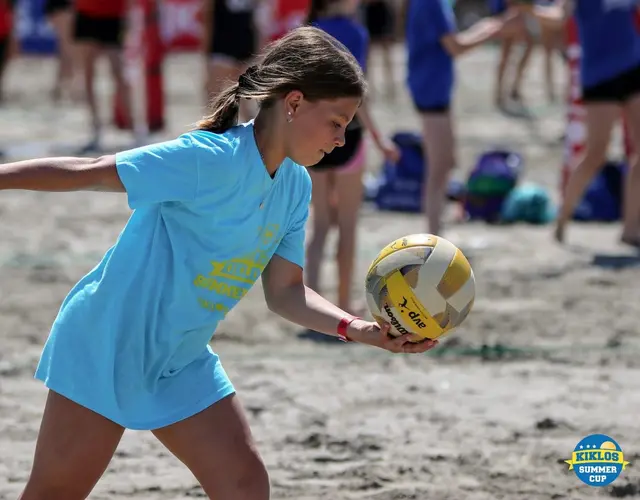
342,328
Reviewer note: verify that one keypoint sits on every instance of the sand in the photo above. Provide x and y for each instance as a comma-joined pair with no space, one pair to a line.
548,355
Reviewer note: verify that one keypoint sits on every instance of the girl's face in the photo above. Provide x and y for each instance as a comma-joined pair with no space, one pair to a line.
318,127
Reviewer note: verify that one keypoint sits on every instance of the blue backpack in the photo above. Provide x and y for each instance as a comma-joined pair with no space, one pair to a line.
489,183
400,186
602,201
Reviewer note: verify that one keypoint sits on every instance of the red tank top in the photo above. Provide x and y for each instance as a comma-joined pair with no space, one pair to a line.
109,9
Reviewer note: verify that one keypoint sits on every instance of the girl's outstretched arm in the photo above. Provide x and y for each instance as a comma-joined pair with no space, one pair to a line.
62,174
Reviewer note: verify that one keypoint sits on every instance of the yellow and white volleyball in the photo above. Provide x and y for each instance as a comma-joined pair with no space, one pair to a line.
420,284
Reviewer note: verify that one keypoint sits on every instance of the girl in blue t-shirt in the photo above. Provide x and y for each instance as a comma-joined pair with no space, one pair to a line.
212,211
610,75
337,178
432,44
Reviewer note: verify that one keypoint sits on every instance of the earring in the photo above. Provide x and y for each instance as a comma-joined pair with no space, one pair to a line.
289,117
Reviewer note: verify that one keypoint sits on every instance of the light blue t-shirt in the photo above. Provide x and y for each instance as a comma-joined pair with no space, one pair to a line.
131,339
430,74
609,38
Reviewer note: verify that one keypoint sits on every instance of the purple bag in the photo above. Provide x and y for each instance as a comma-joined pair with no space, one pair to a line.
495,174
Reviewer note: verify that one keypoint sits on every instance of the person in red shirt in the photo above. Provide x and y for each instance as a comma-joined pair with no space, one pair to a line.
7,40
100,30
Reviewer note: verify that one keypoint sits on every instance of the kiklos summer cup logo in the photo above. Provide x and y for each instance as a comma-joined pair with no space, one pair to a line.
597,460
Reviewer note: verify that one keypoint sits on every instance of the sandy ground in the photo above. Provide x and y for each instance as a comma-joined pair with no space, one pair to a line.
549,354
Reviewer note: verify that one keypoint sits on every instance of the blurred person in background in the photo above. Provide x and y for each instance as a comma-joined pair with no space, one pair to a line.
433,43
99,29
8,39
552,41
610,79
230,41
59,13
513,95
380,20
337,178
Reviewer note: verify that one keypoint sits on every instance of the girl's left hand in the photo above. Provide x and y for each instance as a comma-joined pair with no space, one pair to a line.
366,332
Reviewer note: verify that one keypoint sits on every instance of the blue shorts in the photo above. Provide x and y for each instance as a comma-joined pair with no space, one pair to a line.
433,102
78,367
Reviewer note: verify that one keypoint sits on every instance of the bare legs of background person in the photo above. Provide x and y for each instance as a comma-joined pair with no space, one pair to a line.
384,49
336,201
349,192
599,122
11,49
4,62
321,205
507,47
552,46
88,54
526,41
439,143
62,23
631,223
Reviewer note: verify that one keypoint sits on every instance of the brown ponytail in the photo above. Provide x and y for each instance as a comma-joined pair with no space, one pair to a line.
306,59
224,111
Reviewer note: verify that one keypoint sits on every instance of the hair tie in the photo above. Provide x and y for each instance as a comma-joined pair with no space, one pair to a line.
245,78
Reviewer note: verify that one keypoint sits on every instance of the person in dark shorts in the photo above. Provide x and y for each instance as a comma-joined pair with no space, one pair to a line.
610,79
230,42
99,27
59,13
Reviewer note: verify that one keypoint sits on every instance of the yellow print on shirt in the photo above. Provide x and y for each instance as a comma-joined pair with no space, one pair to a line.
244,271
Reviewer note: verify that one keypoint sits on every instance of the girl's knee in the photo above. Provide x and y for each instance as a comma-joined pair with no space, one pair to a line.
248,480
253,483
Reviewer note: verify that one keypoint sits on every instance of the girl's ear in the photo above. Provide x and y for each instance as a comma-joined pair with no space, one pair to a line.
292,102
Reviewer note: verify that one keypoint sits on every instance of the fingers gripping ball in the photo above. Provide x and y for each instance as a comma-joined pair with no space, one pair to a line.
420,284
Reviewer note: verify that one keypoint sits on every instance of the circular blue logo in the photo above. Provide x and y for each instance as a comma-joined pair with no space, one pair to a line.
597,460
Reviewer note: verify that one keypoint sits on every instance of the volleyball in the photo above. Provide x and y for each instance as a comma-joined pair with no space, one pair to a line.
421,284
